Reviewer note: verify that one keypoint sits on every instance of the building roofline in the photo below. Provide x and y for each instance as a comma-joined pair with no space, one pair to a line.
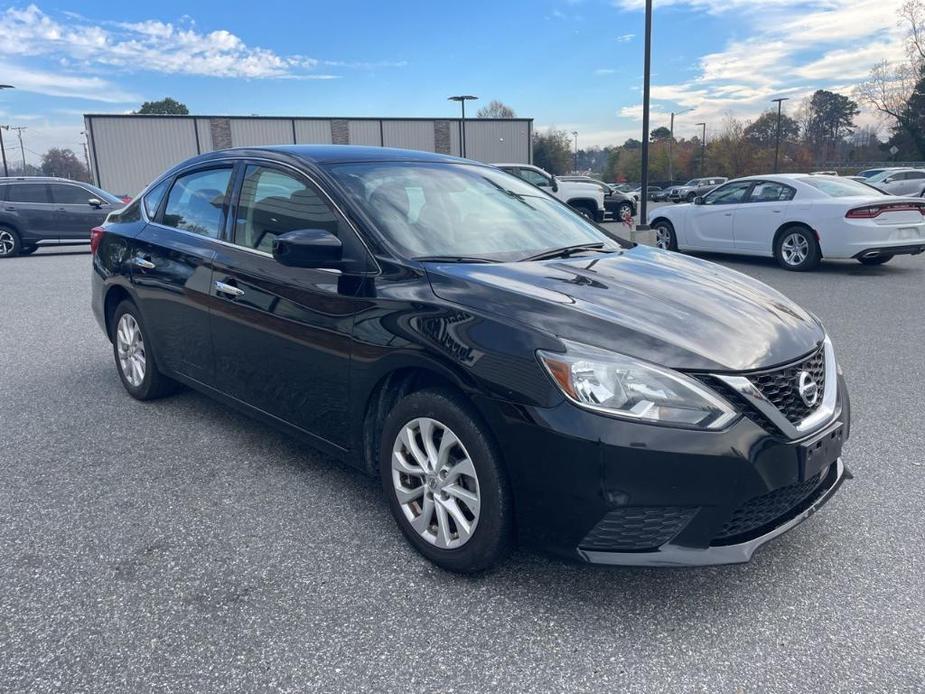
193,116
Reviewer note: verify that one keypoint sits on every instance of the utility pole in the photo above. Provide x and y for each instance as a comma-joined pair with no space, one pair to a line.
646,73
462,99
670,143
6,171
575,135
22,148
86,152
777,143
703,147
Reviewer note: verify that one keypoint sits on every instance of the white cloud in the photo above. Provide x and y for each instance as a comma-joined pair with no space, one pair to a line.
155,46
625,38
67,85
605,71
781,48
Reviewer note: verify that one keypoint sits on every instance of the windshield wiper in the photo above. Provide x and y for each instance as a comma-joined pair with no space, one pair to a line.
454,259
564,252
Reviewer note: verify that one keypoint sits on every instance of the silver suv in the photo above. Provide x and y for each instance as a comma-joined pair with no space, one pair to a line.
694,188
39,210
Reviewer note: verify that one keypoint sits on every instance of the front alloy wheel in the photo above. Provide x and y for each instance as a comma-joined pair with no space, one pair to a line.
445,481
436,483
664,236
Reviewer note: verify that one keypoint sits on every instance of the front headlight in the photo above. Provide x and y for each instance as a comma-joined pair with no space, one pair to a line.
624,387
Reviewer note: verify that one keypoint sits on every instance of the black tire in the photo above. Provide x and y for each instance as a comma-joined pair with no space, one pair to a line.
154,384
810,258
28,250
10,243
493,536
625,211
691,197
876,260
664,231
584,210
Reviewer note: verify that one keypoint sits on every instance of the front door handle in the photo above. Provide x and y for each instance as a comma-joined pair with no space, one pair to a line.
229,289
138,261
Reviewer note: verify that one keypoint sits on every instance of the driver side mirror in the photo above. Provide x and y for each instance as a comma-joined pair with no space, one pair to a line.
309,248
95,202
698,200
889,179
554,184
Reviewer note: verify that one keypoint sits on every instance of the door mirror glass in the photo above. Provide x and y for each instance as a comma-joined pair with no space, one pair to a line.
95,202
698,200
310,248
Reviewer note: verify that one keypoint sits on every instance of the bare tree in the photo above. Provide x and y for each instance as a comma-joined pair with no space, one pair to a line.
897,90
496,109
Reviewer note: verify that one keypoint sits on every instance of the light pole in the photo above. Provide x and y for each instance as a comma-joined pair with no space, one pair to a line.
703,147
671,142
6,171
779,101
575,135
462,99
647,65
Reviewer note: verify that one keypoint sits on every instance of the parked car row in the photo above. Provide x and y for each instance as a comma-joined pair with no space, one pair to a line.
590,197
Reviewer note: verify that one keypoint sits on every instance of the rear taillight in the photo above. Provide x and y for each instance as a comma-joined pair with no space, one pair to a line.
96,235
872,211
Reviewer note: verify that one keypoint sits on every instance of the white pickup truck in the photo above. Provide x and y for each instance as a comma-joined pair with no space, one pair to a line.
586,198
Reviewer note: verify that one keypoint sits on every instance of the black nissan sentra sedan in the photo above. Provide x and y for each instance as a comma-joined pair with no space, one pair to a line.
508,369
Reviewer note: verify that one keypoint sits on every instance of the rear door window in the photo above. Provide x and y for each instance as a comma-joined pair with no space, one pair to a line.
769,191
28,192
196,202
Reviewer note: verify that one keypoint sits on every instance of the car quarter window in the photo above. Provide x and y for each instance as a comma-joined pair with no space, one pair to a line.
152,199
28,192
771,191
66,194
273,202
729,194
910,175
196,202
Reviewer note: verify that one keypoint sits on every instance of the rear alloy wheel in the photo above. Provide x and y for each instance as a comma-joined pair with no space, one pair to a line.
9,243
796,249
444,481
876,260
134,359
664,236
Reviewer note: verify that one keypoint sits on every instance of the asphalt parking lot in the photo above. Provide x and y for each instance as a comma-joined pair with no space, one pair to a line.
178,546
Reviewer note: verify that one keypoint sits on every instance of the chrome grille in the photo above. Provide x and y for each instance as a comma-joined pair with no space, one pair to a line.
781,386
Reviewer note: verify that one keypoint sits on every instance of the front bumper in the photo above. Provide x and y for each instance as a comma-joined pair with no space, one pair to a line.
677,555
603,490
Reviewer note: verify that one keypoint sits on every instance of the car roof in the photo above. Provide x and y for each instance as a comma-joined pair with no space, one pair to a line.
41,179
331,154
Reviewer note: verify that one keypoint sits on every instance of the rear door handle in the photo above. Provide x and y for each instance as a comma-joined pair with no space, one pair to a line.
229,289
9,208
138,261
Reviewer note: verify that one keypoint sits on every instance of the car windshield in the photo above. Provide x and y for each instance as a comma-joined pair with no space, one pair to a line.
693,182
840,187
463,211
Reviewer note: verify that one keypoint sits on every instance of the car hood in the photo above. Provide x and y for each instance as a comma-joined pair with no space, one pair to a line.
661,306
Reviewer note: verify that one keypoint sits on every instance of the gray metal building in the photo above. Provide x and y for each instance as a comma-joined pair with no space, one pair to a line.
128,151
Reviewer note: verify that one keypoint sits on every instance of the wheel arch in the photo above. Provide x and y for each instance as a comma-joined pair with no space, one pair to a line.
782,229
389,389
115,295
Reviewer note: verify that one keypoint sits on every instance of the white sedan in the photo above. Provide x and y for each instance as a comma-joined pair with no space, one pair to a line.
797,219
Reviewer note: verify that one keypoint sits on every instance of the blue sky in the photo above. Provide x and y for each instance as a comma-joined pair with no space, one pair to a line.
574,64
